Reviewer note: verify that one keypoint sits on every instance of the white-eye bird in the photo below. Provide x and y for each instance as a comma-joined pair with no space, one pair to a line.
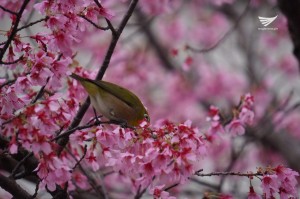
114,102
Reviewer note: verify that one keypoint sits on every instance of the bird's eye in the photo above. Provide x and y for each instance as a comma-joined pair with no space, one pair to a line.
146,116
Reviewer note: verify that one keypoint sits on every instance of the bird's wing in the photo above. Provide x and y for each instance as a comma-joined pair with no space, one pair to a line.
121,93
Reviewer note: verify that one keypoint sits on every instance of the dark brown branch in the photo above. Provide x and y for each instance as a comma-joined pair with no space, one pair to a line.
225,36
59,193
160,51
98,3
20,163
78,162
36,190
14,30
291,9
94,24
7,83
32,23
71,131
115,37
12,62
10,82
13,188
140,193
7,10
90,179
172,186
40,93
230,173
234,157
281,142
110,26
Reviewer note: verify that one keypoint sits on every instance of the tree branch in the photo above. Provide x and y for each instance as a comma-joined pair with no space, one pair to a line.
94,24
158,48
12,62
14,30
291,9
32,23
13,188
115,37
225,36
231,173
9,11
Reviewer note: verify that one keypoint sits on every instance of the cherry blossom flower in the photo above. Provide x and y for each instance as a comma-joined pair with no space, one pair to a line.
252,194
270,185
235,127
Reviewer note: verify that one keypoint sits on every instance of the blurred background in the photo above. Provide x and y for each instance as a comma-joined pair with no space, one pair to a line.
181,57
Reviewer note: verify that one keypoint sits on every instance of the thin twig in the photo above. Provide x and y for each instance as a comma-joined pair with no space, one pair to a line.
90,179
14,29
40,93
32,23
13,188
140,194
111,27
98,3
224,37
12,62
69,132
159,49
108,173
234,157
113,30
94,24
78,162
9,11
36,190
14,171
7,83
172,186
198,173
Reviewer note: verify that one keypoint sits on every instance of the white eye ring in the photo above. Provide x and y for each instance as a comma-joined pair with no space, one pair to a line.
146,116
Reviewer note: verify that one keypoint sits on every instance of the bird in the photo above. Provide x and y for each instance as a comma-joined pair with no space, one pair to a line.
114,102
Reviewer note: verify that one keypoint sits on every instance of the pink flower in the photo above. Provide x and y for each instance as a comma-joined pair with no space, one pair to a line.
213,114
10,102
246,116
270,185
159,193
288,64
39,77
13,145
225,196
80,180
252,194
288,180
105,13
57,22
235,127
248,100
93,161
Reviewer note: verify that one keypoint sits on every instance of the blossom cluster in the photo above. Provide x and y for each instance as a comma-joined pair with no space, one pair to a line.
149,156
39,101
278,181
243,115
